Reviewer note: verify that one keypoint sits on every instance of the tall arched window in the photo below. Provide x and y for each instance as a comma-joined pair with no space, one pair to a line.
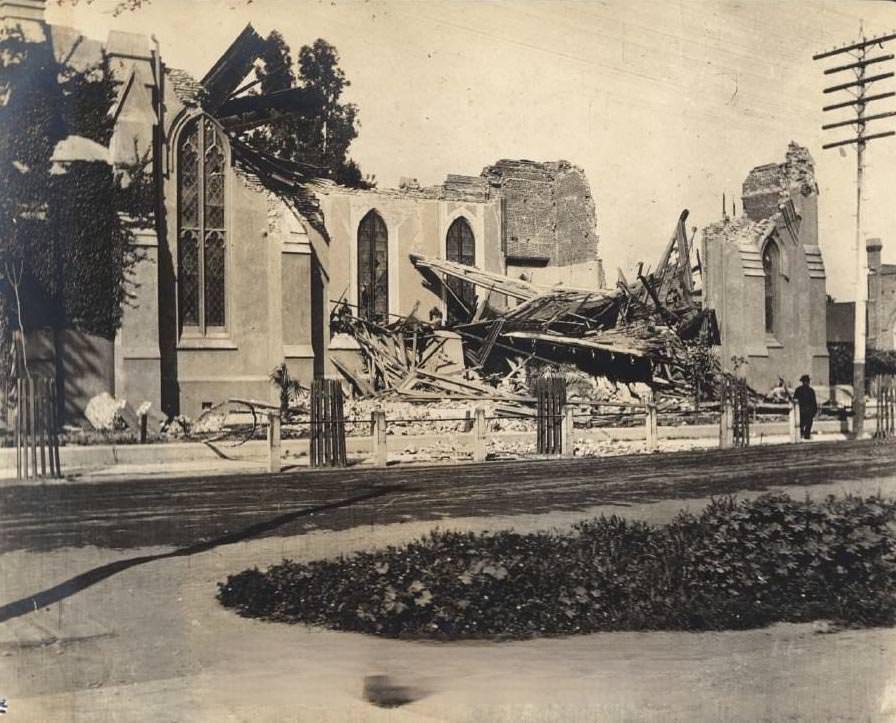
460,247
201,226
771,265
373,268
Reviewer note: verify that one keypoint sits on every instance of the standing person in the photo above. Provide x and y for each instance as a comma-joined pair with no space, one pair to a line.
805,397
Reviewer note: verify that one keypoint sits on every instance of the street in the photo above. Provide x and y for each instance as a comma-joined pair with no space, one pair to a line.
180,512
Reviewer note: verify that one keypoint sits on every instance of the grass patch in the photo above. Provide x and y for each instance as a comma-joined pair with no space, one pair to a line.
735,565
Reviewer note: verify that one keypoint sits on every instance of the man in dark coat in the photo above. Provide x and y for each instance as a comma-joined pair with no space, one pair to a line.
805,397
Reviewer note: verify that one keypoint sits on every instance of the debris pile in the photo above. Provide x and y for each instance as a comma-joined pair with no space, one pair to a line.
643,332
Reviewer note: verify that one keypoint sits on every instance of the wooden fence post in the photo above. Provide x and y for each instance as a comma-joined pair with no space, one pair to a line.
480,436
18,434
650,425
726,424
568,439
273,441
794,419
550,392
32,426
380,448
54,427
36,428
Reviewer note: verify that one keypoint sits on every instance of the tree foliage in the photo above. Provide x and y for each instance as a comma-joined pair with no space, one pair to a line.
65,238
321,137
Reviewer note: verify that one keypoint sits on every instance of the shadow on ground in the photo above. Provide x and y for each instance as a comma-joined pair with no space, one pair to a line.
80,582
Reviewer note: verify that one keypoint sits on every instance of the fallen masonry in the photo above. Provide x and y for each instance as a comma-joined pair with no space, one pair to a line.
647,334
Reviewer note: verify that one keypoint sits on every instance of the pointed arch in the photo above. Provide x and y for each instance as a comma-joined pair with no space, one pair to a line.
460,247
202,154
373,268
771,266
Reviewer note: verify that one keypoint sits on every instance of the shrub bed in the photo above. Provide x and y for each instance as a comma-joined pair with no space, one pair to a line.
735,565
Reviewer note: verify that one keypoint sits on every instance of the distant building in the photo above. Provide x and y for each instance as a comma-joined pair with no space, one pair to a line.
881,316
765,278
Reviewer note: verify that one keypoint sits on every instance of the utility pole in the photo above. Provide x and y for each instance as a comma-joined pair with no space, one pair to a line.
860,100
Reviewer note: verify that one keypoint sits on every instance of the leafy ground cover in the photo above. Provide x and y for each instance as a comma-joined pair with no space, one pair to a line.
736,564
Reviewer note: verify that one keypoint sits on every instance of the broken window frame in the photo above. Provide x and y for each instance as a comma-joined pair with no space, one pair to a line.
211,161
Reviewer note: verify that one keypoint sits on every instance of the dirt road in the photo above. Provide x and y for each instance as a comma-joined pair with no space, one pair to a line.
216,510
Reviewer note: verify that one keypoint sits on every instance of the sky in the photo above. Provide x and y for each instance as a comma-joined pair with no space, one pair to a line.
665,105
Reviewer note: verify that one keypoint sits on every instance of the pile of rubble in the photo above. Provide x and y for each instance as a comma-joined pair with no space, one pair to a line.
624,341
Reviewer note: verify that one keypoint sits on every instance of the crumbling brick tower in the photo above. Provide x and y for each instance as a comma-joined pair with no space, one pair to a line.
765,278
549,222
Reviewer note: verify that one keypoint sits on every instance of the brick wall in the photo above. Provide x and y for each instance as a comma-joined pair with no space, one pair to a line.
768,185
549,212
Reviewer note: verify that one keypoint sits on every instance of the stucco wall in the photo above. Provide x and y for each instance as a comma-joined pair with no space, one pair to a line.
734,281
414,224
267,289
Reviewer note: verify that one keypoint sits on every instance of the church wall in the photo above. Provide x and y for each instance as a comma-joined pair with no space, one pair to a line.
780,206
86,366
414,225
237,363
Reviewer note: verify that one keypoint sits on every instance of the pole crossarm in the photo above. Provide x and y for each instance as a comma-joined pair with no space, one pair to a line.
864,100
859,64
860,82
858,88
860,139
865,42
853,121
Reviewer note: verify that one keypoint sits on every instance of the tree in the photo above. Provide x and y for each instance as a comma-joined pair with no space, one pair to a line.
321,136
65,239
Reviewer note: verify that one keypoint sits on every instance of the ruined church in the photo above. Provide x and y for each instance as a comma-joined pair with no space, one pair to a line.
764,277
248,256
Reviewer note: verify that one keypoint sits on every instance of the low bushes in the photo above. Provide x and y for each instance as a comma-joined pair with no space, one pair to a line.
735,565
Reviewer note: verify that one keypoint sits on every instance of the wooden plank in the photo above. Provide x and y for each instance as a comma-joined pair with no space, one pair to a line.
362,385
465,384
608,346
343,457
42,424
315,428
18,432
32,416
54,428
514,288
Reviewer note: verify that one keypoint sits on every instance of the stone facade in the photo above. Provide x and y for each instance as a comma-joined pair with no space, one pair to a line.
282,254
765,278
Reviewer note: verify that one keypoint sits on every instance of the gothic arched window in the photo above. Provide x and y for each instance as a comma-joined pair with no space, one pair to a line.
373,268
460,247
771,265
201,233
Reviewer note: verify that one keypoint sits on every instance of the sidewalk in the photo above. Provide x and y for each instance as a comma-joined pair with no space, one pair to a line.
98,462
